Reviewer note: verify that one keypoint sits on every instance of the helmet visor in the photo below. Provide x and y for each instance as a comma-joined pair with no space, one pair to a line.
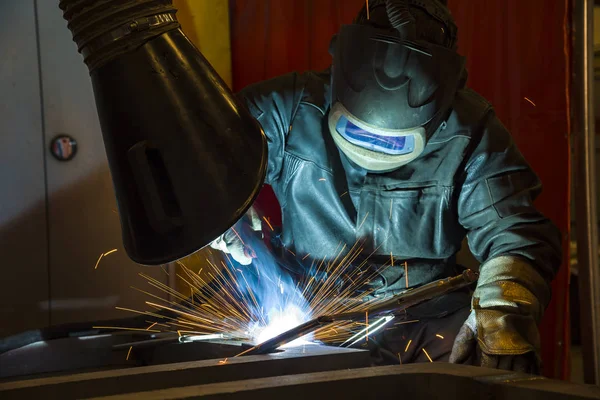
383,143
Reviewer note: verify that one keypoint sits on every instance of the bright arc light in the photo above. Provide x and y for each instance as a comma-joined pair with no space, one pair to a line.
279,322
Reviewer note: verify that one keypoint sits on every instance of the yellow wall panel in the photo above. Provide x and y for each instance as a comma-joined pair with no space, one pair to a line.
206,23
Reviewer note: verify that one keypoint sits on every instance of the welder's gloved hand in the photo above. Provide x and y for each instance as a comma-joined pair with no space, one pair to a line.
501,331
232,243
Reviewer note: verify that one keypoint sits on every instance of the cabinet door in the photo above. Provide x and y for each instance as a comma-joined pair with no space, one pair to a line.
23,241
82,211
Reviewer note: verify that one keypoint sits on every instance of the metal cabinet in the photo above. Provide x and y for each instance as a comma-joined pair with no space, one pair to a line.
23,229
56,217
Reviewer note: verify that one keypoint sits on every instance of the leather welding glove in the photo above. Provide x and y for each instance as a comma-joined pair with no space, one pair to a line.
231,241
501,331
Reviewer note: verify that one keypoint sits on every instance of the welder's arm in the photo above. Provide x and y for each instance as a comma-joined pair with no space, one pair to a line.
272,103
520,251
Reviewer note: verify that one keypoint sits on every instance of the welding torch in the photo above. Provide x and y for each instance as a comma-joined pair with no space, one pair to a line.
388,308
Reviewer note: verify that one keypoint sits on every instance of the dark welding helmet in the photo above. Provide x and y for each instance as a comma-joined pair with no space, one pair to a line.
391,88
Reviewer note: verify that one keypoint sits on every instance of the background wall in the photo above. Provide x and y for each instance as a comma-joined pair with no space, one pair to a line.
517,58
58,217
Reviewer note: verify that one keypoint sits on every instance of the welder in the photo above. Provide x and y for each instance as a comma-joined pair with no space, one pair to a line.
389,148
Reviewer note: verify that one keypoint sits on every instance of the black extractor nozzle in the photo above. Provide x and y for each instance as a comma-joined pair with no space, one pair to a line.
186,157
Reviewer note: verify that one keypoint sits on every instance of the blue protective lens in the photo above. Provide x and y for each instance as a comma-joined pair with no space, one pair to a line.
394,145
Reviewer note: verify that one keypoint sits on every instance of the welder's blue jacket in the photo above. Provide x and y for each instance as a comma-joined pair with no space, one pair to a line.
470,180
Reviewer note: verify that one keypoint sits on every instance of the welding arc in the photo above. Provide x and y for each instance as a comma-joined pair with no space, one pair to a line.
286,337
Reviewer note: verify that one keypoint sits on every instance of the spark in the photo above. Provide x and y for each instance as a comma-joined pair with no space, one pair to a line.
368,17
238,235
440,336
223,361
391,203
367,323
399,358
408,345
128,353
151,326
305,257
392,258
98,262
322,180
407,322
363,221
343,194
376,326
102,256
532,103
406,273
268,223
427,354
123,328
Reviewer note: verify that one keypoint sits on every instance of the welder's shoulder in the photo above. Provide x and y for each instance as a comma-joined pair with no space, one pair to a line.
473,117
282,95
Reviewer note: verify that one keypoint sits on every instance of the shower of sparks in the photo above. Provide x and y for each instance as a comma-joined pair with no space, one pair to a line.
532,103
227,299
427,354
102,256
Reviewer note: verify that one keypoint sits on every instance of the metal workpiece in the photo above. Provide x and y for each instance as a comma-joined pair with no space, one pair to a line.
391,307
86,353
296,360
415,381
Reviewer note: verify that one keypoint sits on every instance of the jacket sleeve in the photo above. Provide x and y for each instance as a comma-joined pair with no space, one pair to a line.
273,104
495,206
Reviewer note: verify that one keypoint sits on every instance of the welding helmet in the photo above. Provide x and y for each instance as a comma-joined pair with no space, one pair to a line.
393,83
